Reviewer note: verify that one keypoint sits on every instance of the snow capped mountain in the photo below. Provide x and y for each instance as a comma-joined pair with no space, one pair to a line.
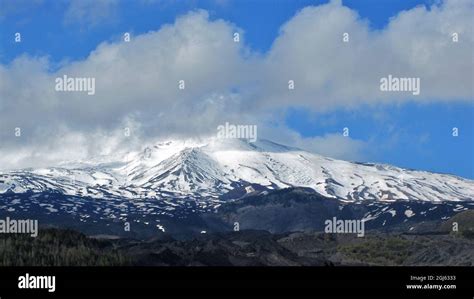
208,169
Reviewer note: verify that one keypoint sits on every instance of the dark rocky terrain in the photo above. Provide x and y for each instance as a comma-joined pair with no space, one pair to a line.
281,228
279,211
248,248
259,248
302,209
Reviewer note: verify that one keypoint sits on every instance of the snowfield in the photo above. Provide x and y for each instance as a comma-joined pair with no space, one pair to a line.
212,167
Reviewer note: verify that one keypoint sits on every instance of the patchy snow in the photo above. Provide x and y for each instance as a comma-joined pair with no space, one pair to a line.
208,168
409,213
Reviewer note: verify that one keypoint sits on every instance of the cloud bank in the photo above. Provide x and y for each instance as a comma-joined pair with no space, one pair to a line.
138,82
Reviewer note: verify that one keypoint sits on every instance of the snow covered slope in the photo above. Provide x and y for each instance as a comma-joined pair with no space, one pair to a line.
207,169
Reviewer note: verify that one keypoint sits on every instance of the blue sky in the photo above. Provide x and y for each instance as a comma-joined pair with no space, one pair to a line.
407,133
43,24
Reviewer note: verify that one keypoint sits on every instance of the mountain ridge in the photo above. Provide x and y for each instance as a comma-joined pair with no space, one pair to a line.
213,167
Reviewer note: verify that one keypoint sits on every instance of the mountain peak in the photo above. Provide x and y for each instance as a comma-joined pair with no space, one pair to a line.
212,167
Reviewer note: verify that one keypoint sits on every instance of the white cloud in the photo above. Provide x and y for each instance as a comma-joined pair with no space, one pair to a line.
329,73
137,82
336,146
333,145
66,145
